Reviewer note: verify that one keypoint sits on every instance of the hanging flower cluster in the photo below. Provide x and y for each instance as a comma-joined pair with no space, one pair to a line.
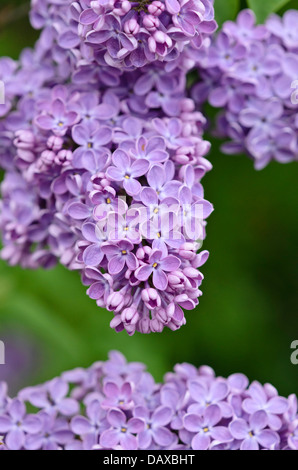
125,33
104,175
117,405
251,72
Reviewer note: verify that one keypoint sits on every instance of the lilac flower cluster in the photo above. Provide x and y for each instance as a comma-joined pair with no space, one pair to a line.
117,405
250,71
123,33
106,179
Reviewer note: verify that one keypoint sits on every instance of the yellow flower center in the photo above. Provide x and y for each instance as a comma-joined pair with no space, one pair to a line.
155,265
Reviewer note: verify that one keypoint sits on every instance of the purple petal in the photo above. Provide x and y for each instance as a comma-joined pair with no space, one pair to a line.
121,160
239,429
132,186
15,439
128,441
96,291
93,255
163,436
250,444
162,416
144,272
170,263
80,425
136,425
139,168
267,439
212,415
109,439
277,405
17,410
117,418
103,136
5,424
258,420
114,174
200,442
78,211
88,17
160,279
149,197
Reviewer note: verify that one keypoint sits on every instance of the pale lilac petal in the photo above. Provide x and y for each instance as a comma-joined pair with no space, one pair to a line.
109,439
93,255
15,439
267,439
80,425
132,186
162,416
170,263
117,418
239,429
128,441
144,272
200,442
162,436
160,279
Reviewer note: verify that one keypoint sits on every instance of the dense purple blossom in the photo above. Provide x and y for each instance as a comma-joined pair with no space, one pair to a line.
117,405
251,72
108,182
121,34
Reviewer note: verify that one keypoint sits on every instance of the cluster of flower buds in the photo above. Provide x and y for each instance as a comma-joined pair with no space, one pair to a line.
251,72
116,405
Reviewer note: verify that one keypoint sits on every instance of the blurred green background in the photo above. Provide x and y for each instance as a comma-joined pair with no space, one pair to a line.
248,315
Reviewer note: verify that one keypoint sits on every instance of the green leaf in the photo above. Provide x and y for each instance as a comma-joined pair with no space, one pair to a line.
226,10
263,8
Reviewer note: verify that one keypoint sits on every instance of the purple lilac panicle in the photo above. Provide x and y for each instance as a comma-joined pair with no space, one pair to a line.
107,180
251,72
117,405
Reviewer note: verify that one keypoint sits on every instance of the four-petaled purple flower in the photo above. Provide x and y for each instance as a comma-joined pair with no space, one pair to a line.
16,424
253,434
155,426
158,266
126,172
58,119
120,255
124,431
206,427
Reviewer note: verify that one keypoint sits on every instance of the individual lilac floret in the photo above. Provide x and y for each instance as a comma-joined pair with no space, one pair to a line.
250,71
116,405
